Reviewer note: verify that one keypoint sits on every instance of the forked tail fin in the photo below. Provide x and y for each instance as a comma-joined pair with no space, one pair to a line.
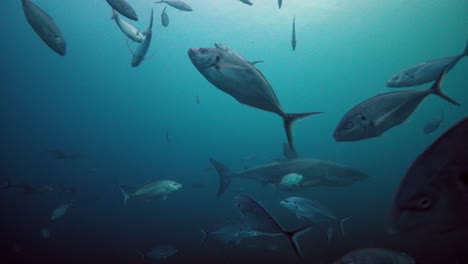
288,121
224,176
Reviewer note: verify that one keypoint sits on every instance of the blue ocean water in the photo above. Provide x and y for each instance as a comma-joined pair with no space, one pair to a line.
93,103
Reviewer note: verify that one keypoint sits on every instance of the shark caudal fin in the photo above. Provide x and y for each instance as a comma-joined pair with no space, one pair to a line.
292,236
437,90
224,176
288,121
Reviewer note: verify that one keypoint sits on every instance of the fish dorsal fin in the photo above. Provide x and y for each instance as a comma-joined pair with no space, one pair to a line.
384,117
255,62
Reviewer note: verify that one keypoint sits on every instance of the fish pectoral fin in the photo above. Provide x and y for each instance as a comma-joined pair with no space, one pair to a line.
384,117
151,56
221,66
255,62
130,49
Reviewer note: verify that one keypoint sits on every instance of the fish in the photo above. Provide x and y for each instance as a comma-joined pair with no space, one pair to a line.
197,99
293,37
168,139
433,124
237,77
140,53
232,233
425,72
314,211
164,18
161,252
60,211
128,29
247,2
124,8
258,218
375,256
291,181
45,27
152,191
432,196
280,2
315,173
177,4
378,114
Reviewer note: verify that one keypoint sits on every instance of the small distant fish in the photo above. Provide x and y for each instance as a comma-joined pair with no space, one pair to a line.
124,8
378,114
164,18
313,211
253,214
161,252
433,124
247,2
177,4
45,233
128,29
425,72
280,2
151,191
60,211
140,53
432,196
45,27
293,37
291,181
198,99
168,139
375,256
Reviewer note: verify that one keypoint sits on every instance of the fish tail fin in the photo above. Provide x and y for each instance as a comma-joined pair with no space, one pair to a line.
126,196
150,26
224,176
204,237
292,236
114,14
340,222
465,52
164,10
437,90
288,121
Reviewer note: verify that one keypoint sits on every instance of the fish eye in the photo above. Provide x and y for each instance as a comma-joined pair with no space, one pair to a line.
363,118
203,51
424,203
349,125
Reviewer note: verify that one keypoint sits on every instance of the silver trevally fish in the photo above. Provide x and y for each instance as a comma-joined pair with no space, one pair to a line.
378,114
314,172
293,37
313,211
258,218
140,53
151,191
237,77
433,124
291,181
45,27
247,2
60,211
232,233
375,256
128,29
124,8
425,72
164,18
176,4
432,196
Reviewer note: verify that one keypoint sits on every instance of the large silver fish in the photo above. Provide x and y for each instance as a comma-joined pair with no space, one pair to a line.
164,18
425,72
293,37
237,77
157,190
433,195
315,173
128,29
140,53
375,256
176,4
45,27
258,218
378,114
433,124
124,8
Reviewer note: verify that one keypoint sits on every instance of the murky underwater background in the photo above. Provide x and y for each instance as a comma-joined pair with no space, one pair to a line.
93,103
